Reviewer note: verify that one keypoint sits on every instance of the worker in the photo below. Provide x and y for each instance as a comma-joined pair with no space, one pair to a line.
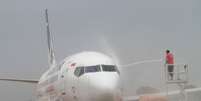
170,63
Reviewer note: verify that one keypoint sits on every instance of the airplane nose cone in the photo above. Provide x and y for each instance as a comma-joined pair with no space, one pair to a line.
104,81
105,87
107,96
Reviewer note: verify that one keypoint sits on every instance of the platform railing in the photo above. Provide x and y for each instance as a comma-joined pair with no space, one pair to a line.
180,78
180,73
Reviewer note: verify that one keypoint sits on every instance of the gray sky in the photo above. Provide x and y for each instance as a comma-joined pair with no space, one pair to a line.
130,29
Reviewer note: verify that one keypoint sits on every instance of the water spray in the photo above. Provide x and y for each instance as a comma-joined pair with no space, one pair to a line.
142,62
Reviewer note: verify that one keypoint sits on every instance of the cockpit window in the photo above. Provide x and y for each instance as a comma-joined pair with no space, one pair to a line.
79,71
110,68
90,69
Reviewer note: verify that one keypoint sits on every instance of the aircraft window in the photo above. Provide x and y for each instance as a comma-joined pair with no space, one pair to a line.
110,68
89,69
79,71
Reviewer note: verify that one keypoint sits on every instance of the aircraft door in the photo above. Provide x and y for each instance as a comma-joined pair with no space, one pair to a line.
66,80
78,83
74,87
63,82
83,85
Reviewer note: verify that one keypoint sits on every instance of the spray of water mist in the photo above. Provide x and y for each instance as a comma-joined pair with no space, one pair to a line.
108,49
142,62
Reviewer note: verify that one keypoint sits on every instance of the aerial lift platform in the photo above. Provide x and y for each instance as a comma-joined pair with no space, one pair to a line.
180,79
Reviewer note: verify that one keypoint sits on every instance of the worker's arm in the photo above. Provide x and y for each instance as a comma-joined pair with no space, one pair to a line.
166,59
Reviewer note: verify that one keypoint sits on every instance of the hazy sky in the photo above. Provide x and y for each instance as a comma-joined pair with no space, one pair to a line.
131,30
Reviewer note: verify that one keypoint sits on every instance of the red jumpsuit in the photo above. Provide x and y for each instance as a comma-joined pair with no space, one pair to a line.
170,62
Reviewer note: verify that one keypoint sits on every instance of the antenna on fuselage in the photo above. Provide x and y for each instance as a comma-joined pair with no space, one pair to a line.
51,57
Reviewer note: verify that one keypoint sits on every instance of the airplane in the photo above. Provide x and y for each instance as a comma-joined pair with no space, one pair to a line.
85,76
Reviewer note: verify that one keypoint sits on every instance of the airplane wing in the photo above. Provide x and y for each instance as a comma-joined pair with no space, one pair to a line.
19,80
193,93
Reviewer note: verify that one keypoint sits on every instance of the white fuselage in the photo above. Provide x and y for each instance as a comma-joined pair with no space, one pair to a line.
87,76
